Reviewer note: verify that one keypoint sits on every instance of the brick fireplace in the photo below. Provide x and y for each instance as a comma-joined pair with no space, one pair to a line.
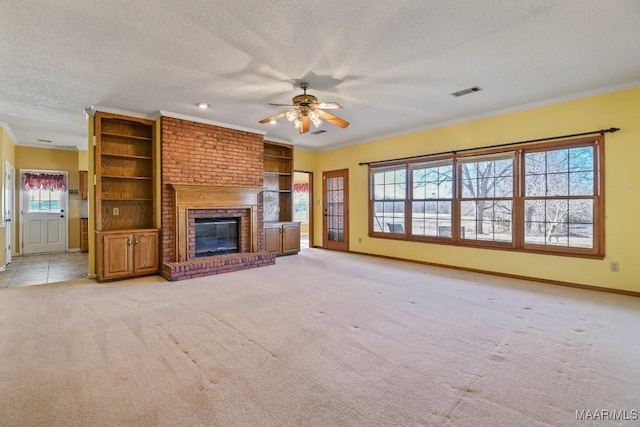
210,172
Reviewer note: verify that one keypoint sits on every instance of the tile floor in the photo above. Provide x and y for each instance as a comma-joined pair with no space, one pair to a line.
31,270
304,240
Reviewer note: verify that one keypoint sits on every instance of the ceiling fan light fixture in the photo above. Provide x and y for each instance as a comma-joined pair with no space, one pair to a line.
294,114
314,115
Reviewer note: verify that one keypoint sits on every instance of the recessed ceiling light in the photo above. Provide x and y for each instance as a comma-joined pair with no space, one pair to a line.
203,105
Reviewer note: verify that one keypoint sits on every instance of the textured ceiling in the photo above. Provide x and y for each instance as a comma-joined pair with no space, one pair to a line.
391,64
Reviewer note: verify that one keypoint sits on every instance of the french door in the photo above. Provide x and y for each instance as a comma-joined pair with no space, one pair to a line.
335,189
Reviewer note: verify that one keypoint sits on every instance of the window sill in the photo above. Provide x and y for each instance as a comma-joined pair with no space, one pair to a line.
505,247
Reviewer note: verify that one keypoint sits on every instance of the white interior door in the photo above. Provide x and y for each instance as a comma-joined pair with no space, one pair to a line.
44,219
9,203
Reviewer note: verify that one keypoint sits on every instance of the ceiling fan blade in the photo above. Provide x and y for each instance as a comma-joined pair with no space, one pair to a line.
328,117
280,105
274,117
329,106
304,124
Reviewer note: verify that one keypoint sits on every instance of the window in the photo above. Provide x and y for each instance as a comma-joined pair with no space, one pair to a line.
486,202
432,195
540,198
389,194
560,197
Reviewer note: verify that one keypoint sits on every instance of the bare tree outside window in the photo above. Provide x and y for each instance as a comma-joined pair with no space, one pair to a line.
559,190
486,208
389,193
432,194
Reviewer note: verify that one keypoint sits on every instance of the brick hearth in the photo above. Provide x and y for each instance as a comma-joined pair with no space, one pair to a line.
218,264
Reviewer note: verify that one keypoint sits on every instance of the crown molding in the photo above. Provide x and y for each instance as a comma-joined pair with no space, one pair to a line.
9,132
90,111
278,140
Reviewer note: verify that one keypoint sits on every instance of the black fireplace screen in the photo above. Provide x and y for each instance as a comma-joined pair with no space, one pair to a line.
216,236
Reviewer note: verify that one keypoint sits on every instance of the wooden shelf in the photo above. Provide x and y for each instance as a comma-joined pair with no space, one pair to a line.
126,177
119,135
272,156
277,173
127,156
126,200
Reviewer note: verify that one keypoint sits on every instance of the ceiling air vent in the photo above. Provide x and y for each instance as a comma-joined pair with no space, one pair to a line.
467,91
318,132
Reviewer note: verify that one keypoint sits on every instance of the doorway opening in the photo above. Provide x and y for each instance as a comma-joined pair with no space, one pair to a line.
8,209
303,206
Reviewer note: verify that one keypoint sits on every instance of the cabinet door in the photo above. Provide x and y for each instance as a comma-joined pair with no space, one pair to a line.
84,235
116,256
145,247
291,238
273,238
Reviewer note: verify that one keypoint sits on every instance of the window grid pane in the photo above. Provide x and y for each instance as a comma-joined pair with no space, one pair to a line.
41,200
432,191
559,222
389,188
486,220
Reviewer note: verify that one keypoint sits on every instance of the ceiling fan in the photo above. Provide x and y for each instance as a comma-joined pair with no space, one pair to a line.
306,109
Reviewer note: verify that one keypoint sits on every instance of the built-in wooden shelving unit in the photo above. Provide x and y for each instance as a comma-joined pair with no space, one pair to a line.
126,239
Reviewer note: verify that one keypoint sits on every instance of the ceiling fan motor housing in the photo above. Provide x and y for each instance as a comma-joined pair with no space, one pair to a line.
304,100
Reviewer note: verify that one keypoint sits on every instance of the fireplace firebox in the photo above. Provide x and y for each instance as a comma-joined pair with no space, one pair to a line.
216,236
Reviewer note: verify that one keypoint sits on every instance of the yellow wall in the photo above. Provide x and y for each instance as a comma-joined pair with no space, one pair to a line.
58,160
622,183
83,160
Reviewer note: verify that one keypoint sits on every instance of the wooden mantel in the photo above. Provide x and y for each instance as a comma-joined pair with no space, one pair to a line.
195,196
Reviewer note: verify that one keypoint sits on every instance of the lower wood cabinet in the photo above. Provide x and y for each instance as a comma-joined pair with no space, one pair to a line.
122,254
283,238
84,235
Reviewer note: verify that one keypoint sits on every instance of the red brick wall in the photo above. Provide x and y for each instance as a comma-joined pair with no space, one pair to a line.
197,153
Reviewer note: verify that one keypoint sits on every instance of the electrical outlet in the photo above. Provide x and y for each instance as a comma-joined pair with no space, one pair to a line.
116,211
614,266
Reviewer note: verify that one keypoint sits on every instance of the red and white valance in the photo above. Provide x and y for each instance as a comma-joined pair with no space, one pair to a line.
44,181
301,187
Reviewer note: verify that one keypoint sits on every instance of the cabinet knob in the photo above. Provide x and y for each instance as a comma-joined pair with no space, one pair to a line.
128,242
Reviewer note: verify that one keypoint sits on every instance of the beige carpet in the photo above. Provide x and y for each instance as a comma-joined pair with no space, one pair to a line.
323,339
